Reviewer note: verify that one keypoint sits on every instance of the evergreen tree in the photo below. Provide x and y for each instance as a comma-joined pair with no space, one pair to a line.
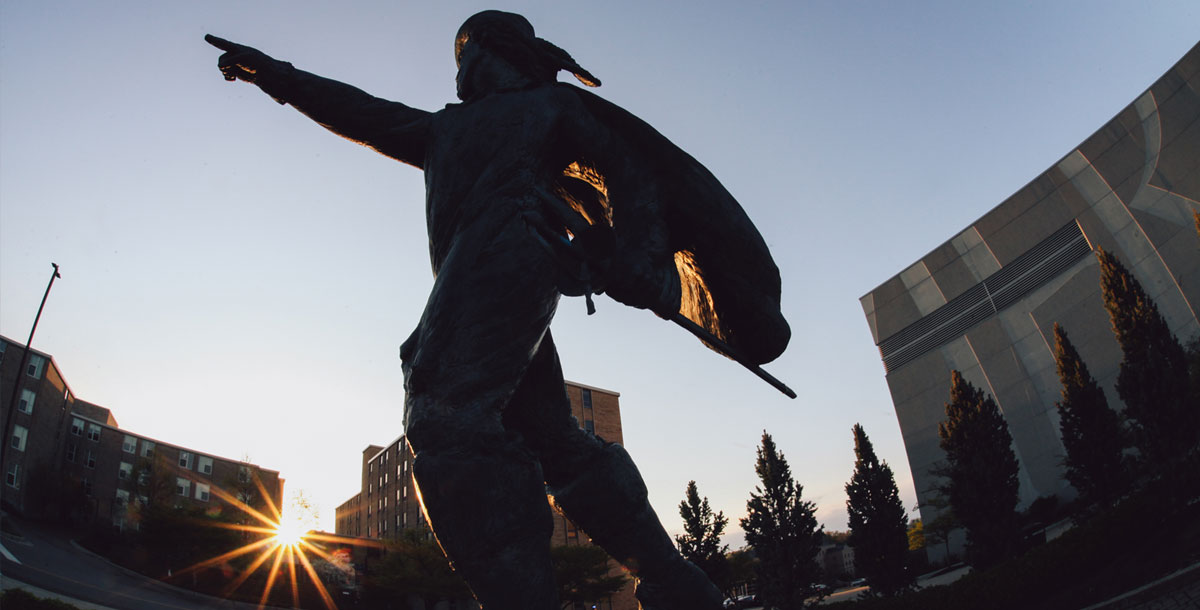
413,565
783,530
582,574
1091,432
1153,380
981,469
878,523
701,540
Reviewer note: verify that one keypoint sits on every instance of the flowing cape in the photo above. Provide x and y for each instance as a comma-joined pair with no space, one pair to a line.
730,284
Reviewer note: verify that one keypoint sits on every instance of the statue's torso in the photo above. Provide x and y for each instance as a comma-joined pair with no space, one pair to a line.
490,158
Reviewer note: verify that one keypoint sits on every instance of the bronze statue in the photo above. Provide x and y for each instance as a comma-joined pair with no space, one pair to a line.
536,188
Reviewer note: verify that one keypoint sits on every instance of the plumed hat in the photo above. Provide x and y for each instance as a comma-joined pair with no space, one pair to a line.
511,36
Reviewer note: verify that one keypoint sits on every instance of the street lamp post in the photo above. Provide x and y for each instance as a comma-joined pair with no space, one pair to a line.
16,392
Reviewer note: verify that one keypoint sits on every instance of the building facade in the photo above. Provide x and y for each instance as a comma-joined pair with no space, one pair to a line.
985,302
69,456
387,503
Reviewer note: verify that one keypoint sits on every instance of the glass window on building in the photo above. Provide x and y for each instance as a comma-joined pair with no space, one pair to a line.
36,365
204,464
202,492
20,433
26,403
13,479
94,432
183,487
91,459
77,427
587,398
125,471
185,459
590,426
147,448
243,474
71,452
130,444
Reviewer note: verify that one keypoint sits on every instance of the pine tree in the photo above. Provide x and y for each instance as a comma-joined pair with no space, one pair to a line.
878,523
982,471
1091,432
1153,380
701,540
783,530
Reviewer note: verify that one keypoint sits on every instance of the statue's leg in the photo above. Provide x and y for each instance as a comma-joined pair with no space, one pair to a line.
481,487
486,501
598,487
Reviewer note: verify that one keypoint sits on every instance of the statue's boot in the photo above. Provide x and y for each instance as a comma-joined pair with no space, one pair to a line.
490,515
608,500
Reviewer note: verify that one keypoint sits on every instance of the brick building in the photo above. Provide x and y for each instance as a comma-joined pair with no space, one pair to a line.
70,456
387,502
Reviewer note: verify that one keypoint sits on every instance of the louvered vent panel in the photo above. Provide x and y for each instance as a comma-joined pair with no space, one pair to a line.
1006,286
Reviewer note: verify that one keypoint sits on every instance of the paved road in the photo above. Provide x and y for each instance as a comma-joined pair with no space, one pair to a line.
47,559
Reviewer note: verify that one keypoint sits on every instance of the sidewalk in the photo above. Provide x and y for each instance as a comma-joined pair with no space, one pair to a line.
1179,590
7,583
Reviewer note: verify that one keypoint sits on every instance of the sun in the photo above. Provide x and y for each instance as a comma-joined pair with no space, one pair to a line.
289,532
285,542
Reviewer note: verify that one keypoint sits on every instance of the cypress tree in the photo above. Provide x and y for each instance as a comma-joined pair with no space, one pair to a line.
1153,380
1091,432
982,470
701,540
878,523
783,530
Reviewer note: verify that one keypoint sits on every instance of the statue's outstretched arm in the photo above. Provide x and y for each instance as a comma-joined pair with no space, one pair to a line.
391,128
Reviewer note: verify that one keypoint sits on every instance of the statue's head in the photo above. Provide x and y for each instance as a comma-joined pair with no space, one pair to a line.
497,49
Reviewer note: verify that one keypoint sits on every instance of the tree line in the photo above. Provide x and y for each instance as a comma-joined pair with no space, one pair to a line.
1109,453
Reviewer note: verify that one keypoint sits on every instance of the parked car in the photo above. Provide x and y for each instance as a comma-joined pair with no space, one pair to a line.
747,601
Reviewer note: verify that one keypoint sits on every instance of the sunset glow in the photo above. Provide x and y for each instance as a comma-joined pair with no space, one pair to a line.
282,544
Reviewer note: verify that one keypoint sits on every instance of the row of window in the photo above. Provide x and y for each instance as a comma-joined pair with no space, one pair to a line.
36,365
183,488
401,472
93,429
204,464
187,459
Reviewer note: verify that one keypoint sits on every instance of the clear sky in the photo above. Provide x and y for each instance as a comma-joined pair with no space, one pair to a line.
237,280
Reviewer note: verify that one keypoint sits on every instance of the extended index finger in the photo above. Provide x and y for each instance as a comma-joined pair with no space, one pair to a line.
221,43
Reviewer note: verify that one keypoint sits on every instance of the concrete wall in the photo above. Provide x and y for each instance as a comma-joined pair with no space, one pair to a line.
1132,189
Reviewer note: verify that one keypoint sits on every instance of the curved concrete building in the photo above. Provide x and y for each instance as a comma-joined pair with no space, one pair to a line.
985,302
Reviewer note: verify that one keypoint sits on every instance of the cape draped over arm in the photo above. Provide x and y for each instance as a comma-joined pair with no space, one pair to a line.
729,282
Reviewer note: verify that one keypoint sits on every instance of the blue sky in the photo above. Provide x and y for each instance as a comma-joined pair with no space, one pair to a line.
237,280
